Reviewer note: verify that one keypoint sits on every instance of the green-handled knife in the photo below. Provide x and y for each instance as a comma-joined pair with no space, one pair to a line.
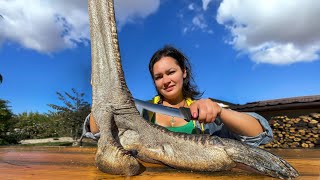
182,112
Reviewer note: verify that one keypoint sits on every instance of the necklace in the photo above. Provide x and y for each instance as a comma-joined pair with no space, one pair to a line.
172,120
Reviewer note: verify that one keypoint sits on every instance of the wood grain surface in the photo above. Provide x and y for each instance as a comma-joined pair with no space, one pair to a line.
78,163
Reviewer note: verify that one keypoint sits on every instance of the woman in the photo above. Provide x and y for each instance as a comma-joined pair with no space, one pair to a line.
171,73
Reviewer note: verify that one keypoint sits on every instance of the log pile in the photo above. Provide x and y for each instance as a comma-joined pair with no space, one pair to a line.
298,132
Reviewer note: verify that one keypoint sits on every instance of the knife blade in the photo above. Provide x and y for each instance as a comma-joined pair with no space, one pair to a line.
182,112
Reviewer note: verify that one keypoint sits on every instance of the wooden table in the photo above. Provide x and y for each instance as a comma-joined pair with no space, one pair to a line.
37,162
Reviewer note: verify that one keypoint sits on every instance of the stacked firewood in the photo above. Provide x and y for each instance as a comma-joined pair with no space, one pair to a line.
299,132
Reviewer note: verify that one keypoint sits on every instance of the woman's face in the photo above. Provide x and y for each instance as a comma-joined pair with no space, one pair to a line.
168,78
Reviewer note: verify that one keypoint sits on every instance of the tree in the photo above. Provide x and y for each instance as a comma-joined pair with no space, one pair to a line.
72,113
34,125
6,122
5,112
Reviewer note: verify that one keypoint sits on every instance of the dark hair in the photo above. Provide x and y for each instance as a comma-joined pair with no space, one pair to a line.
189,89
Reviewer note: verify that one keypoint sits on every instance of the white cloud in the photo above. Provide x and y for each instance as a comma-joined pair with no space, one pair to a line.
44,26
281,54
128,11
199,22
196,19
205,4
47,26
191,6
272,31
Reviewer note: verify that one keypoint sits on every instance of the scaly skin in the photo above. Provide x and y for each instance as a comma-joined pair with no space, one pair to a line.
125,136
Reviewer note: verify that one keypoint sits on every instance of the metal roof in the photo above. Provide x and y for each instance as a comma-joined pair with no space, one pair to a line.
280,104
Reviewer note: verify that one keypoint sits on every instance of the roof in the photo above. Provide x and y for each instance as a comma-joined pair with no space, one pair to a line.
280,104
223,102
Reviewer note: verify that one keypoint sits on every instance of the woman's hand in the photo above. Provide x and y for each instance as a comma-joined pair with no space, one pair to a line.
205,110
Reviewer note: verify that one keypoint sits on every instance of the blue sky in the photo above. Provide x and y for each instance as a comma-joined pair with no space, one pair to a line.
240,51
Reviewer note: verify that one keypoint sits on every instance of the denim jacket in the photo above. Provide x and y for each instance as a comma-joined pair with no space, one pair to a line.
222,131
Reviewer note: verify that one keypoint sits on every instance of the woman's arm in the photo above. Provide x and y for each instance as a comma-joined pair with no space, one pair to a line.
240,123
